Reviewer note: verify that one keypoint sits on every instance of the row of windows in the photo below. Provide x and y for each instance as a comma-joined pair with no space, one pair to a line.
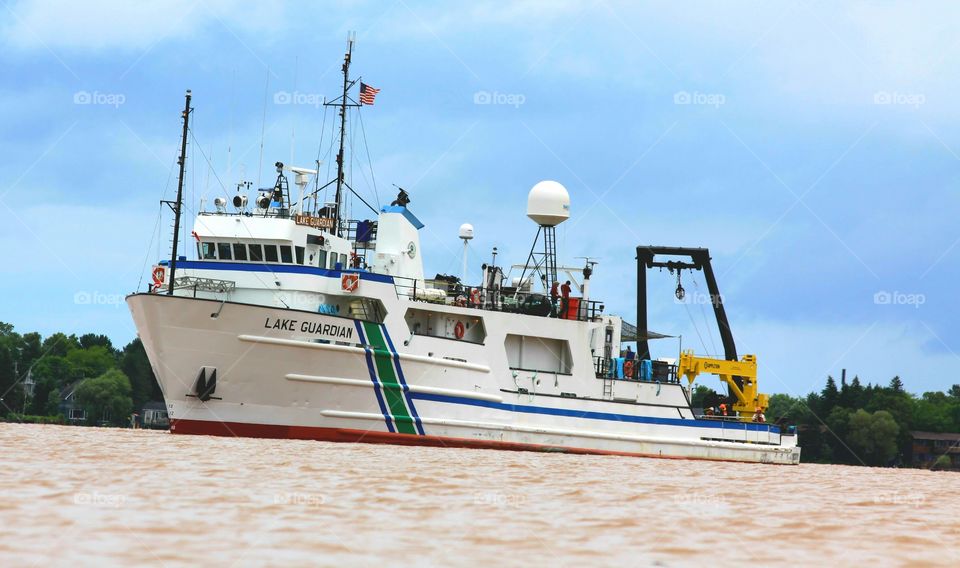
266,253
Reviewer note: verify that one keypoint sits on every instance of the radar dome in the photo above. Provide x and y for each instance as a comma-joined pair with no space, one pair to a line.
548,204
466,231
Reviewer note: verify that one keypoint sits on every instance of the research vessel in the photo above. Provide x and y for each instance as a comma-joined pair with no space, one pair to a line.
285,318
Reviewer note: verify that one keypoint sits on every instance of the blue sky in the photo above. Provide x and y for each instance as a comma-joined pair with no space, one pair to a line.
812,146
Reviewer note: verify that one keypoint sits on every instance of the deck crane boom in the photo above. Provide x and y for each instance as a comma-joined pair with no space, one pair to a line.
748,400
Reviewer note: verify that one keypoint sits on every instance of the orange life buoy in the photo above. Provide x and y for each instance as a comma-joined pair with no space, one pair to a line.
628,369
159,275
350,282
458,330
475,296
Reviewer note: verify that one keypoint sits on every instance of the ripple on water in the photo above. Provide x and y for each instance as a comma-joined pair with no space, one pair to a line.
121,496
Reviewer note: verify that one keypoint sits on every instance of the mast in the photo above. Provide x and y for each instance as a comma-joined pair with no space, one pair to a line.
343,134
178,205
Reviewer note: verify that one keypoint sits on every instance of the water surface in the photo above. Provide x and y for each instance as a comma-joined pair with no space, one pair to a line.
94,496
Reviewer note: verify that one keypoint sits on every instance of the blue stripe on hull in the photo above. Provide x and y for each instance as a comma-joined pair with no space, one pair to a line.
373,377
597,415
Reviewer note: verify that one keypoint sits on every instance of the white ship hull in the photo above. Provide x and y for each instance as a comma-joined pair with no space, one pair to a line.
288,373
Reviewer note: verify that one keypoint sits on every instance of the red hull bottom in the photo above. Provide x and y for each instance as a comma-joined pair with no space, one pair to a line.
246,430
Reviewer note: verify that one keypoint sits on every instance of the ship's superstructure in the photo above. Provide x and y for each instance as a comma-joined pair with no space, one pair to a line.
295,321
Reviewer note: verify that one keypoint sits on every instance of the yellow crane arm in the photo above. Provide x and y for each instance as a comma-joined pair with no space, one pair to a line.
748,399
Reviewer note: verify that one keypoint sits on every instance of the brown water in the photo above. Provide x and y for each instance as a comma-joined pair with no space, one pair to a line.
94,496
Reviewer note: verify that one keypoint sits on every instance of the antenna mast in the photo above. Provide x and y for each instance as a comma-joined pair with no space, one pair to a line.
178,205
343,132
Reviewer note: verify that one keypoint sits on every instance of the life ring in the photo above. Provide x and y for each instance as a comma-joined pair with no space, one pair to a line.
628,369
475,296
159,275
350,282
458,330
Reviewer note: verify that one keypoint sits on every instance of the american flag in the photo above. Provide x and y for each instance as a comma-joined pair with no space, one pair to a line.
367,94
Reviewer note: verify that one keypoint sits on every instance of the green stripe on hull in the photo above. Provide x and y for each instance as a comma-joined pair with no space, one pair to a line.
392,390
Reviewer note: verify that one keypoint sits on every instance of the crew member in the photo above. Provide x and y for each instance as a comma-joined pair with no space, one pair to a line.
565,299
630,355
758,416
723,408
554,296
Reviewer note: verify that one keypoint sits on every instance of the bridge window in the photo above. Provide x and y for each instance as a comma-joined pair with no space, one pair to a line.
239,251
286,255
299,251
208,251
543,354
333,261
270,253
256,253
224,250
322,258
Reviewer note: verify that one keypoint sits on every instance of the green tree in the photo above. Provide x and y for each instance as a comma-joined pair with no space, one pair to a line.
106,396
134,363
873,437
60,344
93,361
830,396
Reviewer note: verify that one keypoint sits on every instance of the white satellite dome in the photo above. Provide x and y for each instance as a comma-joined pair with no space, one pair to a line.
548,203
466,231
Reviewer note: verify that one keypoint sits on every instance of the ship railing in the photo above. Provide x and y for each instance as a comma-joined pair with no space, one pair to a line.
614,368
455,294
204,285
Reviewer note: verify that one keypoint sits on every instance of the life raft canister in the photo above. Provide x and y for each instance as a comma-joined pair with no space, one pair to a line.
459,330
350,282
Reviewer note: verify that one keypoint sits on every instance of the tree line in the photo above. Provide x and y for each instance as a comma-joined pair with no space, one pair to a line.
859,424
110,383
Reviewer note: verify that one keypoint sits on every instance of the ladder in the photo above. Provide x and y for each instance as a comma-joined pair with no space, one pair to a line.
550,252
607,388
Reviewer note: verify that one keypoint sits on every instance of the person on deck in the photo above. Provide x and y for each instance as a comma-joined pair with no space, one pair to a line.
564,299
630,355
554,296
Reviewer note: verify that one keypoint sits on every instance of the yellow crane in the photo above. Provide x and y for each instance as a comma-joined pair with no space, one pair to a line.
745,391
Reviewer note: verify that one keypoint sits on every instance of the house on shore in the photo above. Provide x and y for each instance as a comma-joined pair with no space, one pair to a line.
154,415
929,448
